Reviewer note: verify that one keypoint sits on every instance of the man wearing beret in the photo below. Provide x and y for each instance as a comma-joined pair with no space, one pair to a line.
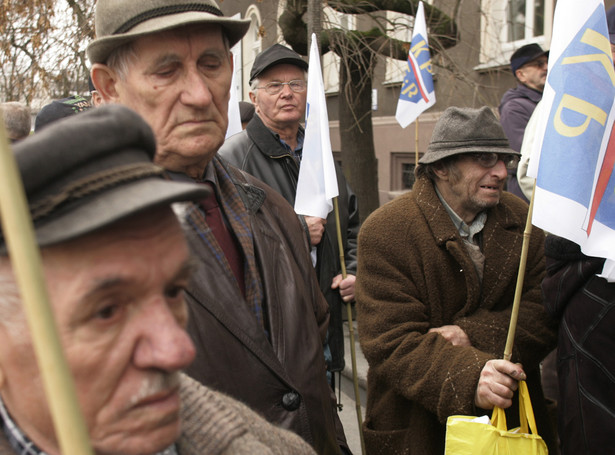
529,66
257,316
116,266
270,149
435,286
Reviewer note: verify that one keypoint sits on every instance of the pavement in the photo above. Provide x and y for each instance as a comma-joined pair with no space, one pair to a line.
348,414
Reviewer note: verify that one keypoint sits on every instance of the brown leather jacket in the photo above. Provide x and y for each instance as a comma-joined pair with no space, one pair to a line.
282,378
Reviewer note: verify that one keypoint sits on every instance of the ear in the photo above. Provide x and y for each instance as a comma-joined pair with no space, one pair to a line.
253,98
520,75
442,172
105,80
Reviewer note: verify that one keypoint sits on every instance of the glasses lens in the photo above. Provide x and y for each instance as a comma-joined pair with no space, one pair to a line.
273,88
487,159
511,161
297,86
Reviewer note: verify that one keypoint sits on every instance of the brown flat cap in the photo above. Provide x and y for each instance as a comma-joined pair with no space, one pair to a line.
121,21
466,130
88,171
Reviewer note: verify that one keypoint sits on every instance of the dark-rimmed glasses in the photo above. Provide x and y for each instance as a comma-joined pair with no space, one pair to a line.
273,88
490,159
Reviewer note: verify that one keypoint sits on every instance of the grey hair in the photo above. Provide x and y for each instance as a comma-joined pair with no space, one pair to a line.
17,119
429,170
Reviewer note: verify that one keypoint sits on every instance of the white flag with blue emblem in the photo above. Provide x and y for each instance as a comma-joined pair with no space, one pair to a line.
574,157
317,182
417,91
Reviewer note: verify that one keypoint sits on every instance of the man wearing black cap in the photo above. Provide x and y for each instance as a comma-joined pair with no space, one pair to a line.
116,266
435,286
529,66
257,316
270,149
59,109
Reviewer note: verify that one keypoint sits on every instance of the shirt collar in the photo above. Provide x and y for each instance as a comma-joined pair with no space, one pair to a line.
467,232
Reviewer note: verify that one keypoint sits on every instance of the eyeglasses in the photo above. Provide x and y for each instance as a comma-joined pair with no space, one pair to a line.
273,88
488,160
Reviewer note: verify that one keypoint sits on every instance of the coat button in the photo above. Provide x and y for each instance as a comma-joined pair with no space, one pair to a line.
291,401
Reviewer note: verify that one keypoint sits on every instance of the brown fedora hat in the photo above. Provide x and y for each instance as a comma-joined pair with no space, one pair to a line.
466,130
121,21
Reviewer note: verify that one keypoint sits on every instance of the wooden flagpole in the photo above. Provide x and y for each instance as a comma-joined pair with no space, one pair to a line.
353,354
26,261
520,277
416,142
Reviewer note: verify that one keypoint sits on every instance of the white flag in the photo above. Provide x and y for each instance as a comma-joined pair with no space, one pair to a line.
573,158
317,183
234,116
417,91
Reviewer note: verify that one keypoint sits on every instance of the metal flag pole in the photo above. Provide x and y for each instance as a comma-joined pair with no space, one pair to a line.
520,277
25,258
353,354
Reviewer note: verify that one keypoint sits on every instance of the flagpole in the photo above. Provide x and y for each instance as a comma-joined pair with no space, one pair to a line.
26,262
416,142
520,278
353,354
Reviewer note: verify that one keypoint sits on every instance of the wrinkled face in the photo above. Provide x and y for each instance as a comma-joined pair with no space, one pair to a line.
118,300
534,73
470,188
285,109
179,81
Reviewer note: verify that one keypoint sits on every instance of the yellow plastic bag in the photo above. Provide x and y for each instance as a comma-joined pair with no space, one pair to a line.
467,436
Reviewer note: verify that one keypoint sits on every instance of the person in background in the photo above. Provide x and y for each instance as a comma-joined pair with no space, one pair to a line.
257,316
17,120
59,109
270,149
116,266
436,281
246,112
529,66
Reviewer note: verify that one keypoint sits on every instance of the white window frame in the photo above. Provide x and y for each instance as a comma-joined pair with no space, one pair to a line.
496,49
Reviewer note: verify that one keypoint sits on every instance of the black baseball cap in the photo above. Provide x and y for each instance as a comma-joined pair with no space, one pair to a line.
275,55
526,54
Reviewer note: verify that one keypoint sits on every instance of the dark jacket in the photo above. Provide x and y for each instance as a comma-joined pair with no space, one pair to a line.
257,152
516,108
416,274
283,377
584,305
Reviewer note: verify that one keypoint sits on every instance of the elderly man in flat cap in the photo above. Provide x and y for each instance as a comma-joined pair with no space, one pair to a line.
258,318
270,149
116,265
435,286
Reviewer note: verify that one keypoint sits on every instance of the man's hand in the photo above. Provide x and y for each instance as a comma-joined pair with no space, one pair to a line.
497,384
346,287
316,227
453,334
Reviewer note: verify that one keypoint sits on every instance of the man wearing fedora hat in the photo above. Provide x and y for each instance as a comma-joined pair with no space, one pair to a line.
435,286
270,149
529,66
257,316
116,266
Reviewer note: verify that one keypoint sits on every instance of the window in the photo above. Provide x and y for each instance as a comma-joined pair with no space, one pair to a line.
331,61
399,26
402,171
509,24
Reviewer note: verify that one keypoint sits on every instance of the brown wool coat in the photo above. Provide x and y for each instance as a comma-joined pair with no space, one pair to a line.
215,424
414,274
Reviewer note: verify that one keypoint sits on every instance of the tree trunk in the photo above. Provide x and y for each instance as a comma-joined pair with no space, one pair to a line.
357,135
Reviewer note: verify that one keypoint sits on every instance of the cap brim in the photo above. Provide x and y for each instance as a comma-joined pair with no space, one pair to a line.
114,205
98,50
432,157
